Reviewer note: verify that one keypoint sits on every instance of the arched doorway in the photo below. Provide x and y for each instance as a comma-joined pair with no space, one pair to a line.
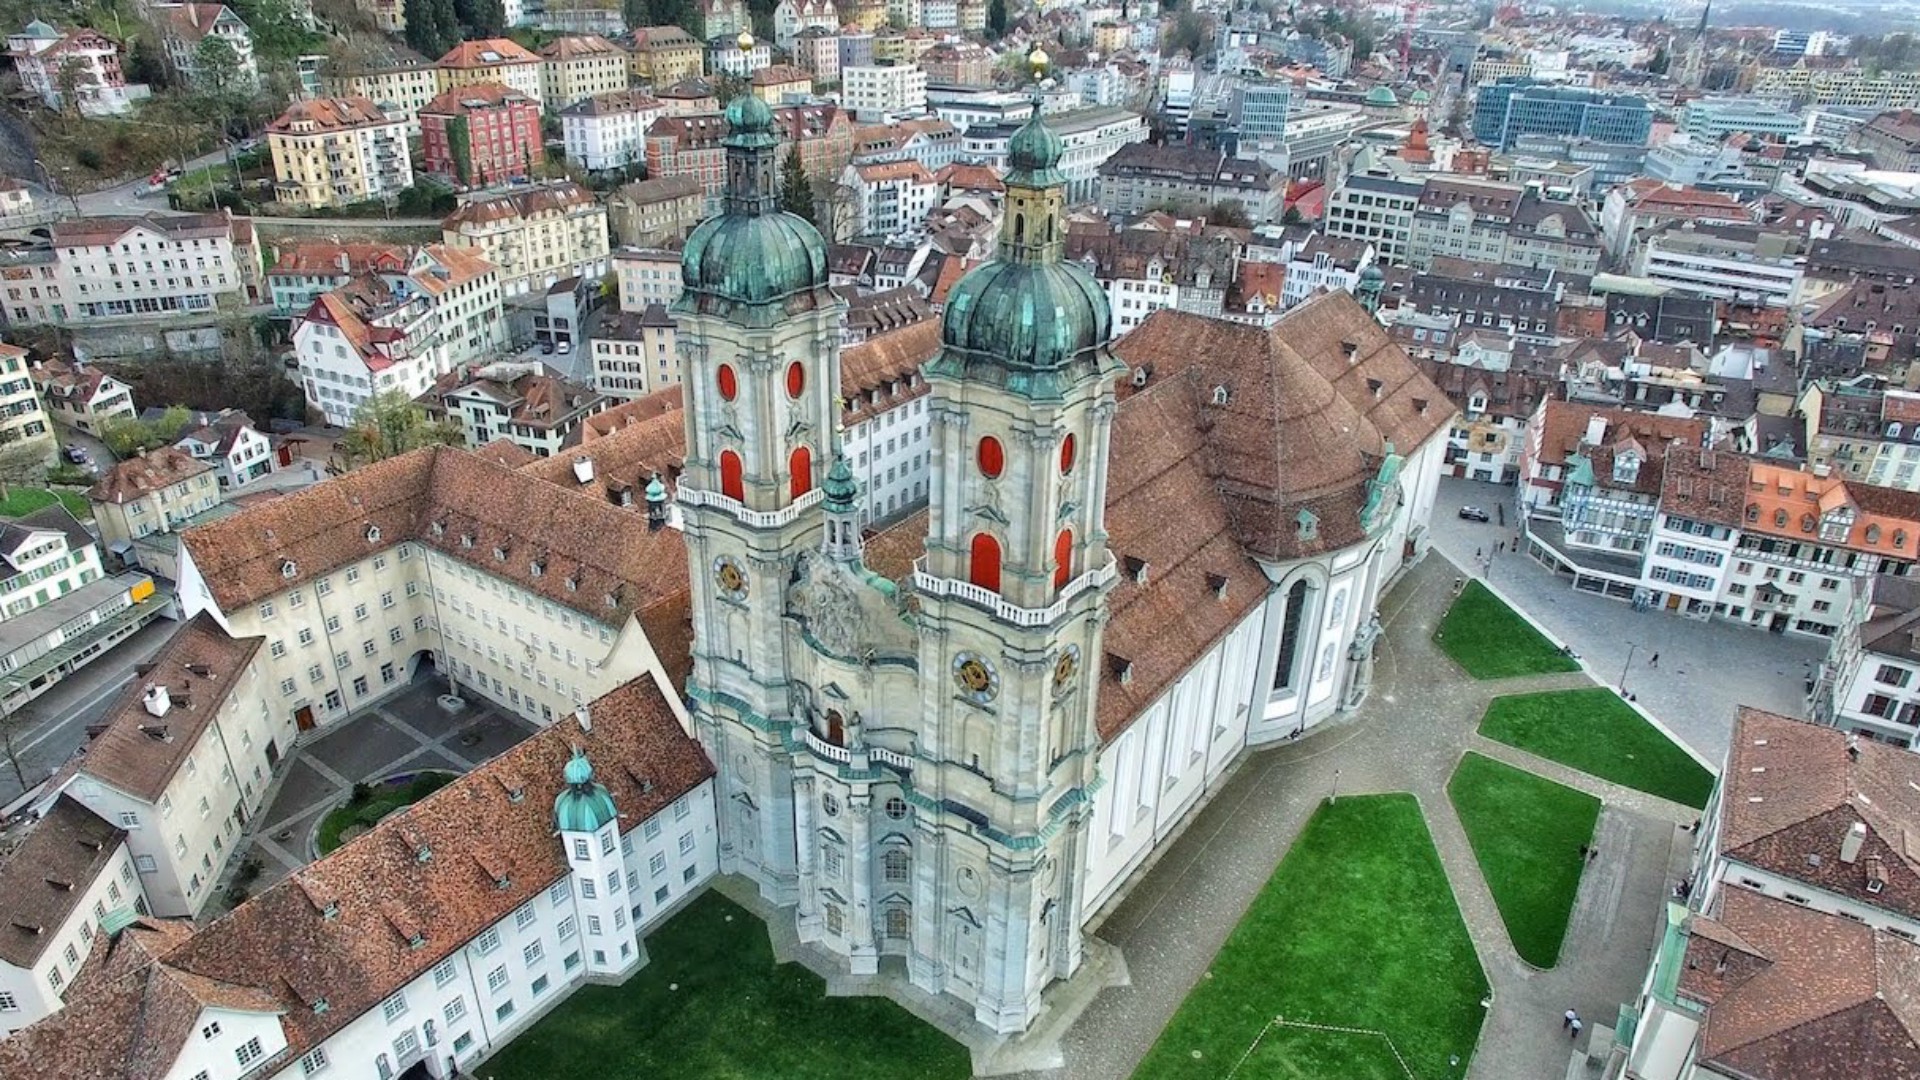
800,465
732,479
983,562
422,666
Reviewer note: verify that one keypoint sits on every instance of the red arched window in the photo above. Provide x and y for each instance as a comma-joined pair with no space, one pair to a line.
732,485
800,466
796,379
1066,454
1063,558
983,562
729,382
992,457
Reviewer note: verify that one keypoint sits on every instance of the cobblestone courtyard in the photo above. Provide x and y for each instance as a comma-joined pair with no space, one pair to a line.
1408,736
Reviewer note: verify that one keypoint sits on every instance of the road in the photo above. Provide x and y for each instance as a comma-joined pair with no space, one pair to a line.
131,199
55,724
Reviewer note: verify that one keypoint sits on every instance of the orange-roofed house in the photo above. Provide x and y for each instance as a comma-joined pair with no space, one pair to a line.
890,197
335,151
493,60
481,135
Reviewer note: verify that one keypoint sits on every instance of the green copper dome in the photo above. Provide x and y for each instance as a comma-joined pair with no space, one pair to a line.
1382,98
585,805
656,490
753,253
1033,154
842,491
1032,319
1420,97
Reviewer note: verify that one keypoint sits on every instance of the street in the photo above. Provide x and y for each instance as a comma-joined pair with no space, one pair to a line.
54,725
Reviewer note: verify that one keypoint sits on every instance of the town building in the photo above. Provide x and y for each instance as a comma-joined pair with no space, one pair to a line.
933,143
239,452
1510,107
184,26
579,67
726,57
1089,137
1377,210
1891,141
817,50
61,610
1848,86
691,145
304,269
646,276
1505,224
79,395
1715,118
653,213
1633,210
781,83
395,78
24,415
890,198
493,62
528,404
535,235
481,134
963,63
368,337
609,131
1746,265
793,18
885,423
1140,176
1158,264
155,491
1325,262
1869,683
59,891
876,93
40,53
125,269
634,352
338,151
664,55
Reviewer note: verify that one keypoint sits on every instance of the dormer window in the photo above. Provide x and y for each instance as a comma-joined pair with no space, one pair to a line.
320,1006
466,541
499,554
1136,569
439,529
288,568
331,911
1306,525
373,534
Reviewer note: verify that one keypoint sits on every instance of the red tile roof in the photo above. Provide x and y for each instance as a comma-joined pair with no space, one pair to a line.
138,477
486,53
43,881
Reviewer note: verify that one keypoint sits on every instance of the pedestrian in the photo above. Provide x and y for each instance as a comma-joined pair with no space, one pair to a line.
1593,853
1567,1020
1457,582
1653,661
1573,1029
1478,554
1583,851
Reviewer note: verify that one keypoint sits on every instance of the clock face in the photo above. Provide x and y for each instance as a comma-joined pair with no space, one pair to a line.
1065,668
730,577
976,677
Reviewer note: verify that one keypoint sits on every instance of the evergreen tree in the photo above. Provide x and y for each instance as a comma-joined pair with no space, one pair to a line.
422,34
796,191
997,19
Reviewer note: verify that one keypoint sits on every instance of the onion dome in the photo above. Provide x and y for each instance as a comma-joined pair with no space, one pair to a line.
583,805
842,490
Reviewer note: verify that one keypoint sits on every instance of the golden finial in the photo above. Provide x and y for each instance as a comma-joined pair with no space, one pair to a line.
1038,61
745,41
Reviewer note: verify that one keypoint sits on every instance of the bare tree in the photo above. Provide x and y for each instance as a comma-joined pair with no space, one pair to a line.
834,210
20,463
12,727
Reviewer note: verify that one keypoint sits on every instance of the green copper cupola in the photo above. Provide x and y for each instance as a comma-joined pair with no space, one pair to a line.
583,805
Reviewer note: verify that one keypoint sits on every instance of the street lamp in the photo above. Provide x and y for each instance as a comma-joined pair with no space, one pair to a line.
51,186
1623,668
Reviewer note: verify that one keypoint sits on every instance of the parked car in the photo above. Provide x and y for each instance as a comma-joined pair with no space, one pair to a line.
565,348
1474,513
76,454
546,348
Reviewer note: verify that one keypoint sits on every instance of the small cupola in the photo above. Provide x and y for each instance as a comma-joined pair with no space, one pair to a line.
583,806
656,503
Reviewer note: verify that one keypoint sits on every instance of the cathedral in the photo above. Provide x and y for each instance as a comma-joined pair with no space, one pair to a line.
945,748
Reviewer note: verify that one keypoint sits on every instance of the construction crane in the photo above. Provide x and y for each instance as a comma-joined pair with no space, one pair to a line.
1409,15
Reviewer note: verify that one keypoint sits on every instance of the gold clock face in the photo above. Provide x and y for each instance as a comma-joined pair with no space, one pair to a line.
730,577
976,677
1065,668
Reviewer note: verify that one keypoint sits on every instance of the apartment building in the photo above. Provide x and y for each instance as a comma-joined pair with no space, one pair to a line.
481,134
1590,483
779,83
156,491
60,891
227,440
578,67
690,145
1869,683
184,26
1739,264
395,78
635,352
664,55
304,269
366,338
586,836
40,53
1501,223
609,130
23,411
817,51
647,276
535,235
336,151
80,395
108,270
1376,210
1325,263
792,18
497,61
1139,177
1850,86
651,213
725,57
530,405
884,419
891,197
876,93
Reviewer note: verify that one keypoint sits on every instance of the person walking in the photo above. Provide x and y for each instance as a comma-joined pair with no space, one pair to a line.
1653,661
1567,1020
1573,1028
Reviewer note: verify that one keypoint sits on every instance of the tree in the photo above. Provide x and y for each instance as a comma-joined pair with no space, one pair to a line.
481,18
1660,62
432,26
145,64
1231,213
796,190
1292,216
12,727
997,19
71,80
216,68
20,463
388,425
1191,34
834,208
129,435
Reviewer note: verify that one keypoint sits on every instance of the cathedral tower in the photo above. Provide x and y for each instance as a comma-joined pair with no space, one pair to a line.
1012,600
759,338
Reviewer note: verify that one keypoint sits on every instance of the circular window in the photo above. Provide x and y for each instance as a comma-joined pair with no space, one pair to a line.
896,808
729,382
1066,454
796,379
993,459
831,805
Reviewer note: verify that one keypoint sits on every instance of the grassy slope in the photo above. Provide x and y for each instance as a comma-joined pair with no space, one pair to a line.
1357,928
1490,641
1594,731
1527,834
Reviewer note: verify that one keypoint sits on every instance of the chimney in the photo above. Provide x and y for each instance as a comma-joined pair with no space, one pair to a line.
1596,430
583,469
345,262
157,700
1851,843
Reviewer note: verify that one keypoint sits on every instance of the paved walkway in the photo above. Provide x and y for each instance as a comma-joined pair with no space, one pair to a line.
1407,737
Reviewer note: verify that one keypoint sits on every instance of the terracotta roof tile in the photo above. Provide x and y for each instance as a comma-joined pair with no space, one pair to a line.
486,53
46,877
138,477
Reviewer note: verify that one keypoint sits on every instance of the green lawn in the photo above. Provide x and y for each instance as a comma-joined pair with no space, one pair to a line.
1527,833
1487,638
1357,928
711,1002
380,801
1596,732
21,501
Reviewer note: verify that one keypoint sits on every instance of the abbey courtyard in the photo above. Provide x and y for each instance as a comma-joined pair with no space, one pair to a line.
1164,740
